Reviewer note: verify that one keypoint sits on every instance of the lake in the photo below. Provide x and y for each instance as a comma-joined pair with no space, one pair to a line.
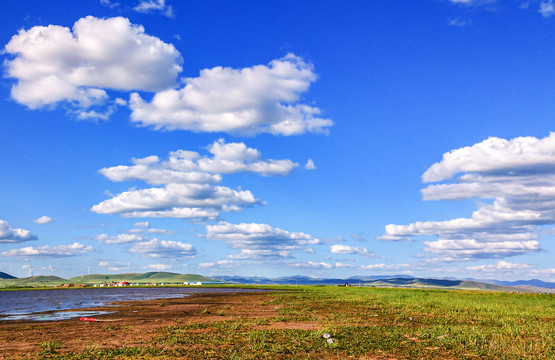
53,304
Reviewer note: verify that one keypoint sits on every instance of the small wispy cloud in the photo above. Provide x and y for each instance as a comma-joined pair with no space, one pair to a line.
459,22
44,220
547,9
310,165
151,6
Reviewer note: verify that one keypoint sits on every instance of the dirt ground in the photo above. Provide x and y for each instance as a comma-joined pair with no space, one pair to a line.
132,323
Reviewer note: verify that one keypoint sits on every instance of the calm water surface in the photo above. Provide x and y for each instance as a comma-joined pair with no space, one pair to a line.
50,304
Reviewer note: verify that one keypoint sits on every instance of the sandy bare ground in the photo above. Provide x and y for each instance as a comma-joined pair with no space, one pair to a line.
134,323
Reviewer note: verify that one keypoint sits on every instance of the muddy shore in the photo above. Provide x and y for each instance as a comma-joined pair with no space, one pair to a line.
132,324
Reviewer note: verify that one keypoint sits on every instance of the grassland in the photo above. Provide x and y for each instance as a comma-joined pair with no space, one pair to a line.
363,323
150,277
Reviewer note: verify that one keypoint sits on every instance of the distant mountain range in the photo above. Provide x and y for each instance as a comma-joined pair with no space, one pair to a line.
375,281
533,282
397,281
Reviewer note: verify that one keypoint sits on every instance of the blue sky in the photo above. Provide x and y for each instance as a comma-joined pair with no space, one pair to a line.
253,138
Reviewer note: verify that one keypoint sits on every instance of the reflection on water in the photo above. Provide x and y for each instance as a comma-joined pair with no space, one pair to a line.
54,316
49,304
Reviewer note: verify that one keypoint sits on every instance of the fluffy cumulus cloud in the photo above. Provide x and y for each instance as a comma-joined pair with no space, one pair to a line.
518,178
55,64
43,220
345,249
188,167
156,248
12,235
259,241
176,200
119,239
50,251
258,99
189,180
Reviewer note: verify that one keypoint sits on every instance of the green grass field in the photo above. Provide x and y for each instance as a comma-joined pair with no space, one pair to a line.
364,323
150,277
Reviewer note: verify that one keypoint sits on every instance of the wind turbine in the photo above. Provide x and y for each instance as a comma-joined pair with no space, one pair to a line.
29,269
51,269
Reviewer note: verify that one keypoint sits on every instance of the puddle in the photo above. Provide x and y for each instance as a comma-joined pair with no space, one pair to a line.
54,316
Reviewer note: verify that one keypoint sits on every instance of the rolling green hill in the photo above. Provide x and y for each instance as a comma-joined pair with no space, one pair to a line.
33,281
3,275
150,277
437,284
136,278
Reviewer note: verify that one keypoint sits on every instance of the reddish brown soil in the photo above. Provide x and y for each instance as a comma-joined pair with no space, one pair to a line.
134,323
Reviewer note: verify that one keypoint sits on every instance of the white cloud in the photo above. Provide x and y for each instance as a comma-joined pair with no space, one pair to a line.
181,213
312,265
343,265
471,3
189,179
163,249
158,267
11,235
156,175
142,224
120,239
459,22
109,4
149,6
540,272
115,266
310,165
237,157
523,154
176,200
500,266
259,241
470,248
547,9
518,174
50,251
345,249
385,267
218,264
56,64
44,220
151,231
259,99
189,167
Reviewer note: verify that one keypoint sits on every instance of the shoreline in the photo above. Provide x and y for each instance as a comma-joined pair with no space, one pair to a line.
132,323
